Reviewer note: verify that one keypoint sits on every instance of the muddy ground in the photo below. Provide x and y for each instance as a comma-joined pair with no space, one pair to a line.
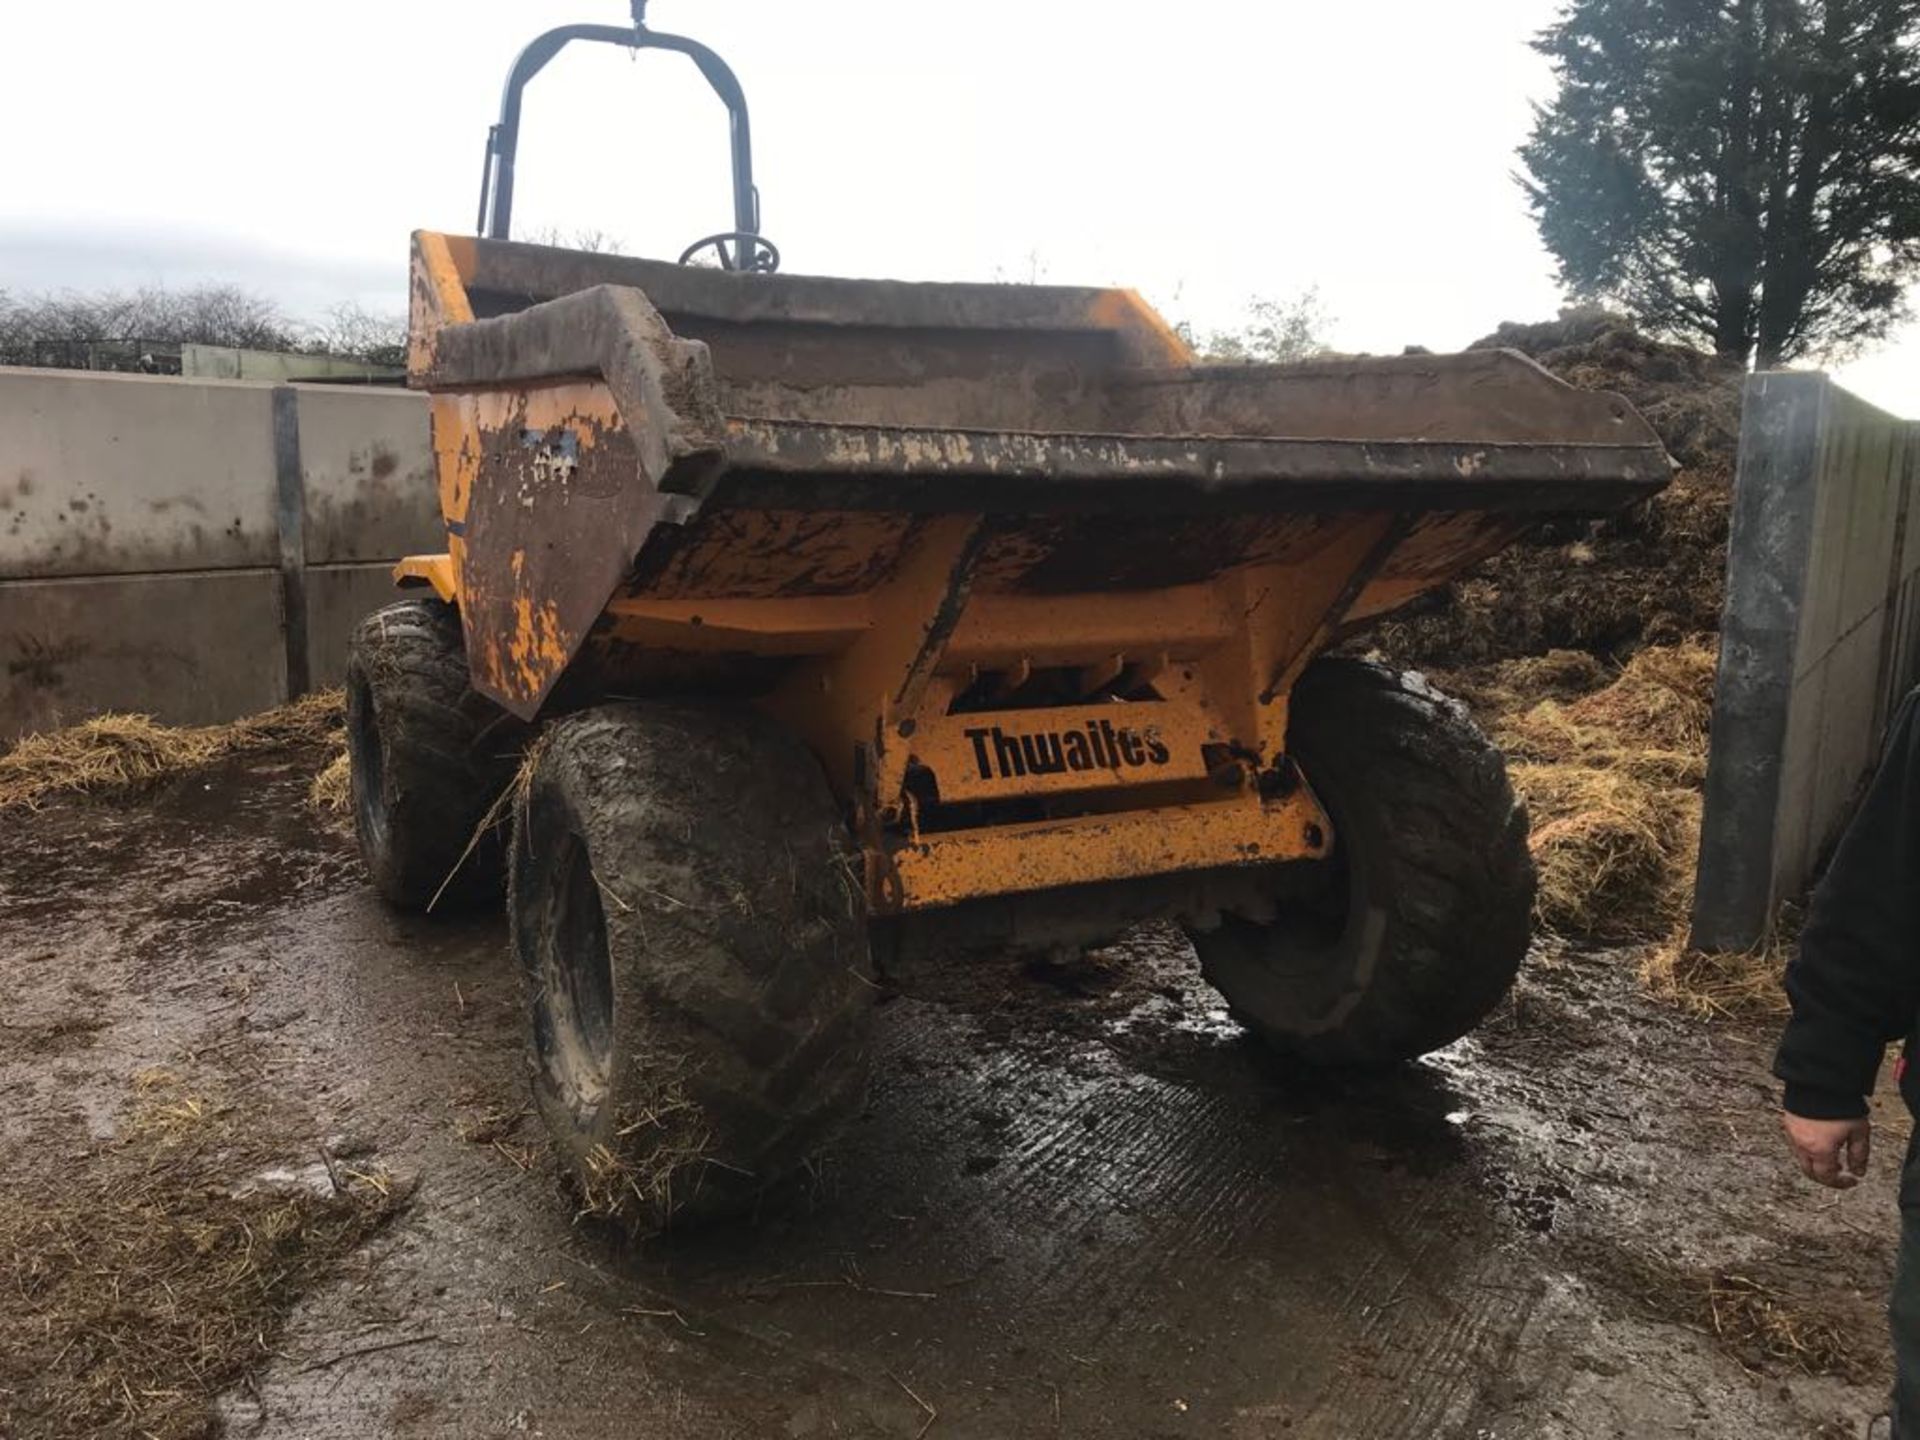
1078,1203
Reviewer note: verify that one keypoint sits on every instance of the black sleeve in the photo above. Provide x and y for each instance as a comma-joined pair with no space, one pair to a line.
1855,984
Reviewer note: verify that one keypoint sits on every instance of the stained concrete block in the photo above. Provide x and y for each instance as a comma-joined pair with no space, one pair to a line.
1793,801
123,474
1774,504
1818,584
1903,645
337,597
1853,538
1817,642
1909,472
155,533
188,648
1865,565
1847,745
369,477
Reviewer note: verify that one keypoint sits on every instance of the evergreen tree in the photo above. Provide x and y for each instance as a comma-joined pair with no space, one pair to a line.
1743,173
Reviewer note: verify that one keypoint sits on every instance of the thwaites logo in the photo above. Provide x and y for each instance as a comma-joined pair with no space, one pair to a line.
1008,755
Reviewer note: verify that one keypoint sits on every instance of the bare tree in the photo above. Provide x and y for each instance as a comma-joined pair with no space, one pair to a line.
143,329
1274,331
216,315
348,329
47,328
586,237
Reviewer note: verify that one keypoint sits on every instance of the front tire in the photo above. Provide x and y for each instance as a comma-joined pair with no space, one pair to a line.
1415,927
693,937
429,757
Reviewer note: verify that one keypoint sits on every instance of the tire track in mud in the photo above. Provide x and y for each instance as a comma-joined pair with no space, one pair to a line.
1179,1223
1328,1259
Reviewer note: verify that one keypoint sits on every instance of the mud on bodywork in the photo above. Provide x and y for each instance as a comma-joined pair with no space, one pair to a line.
572,475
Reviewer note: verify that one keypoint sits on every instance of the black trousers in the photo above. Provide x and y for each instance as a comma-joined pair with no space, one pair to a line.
1903,1310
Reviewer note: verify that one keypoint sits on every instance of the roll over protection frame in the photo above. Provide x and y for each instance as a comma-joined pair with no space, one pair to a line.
503,137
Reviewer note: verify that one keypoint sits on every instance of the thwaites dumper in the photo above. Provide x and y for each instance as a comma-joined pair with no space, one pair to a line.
805,622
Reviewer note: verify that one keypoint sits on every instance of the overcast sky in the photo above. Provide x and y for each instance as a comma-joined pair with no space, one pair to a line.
1203,152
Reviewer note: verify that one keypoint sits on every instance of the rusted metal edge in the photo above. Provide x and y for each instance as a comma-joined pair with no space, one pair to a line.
537,572
1474,397
803,465
538,271
663,385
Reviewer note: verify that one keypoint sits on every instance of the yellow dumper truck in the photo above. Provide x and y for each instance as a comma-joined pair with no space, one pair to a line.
796,620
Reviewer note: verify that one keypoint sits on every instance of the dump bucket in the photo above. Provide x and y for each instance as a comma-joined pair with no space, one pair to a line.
626,425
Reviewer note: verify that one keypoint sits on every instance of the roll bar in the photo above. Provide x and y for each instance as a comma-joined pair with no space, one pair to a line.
503,138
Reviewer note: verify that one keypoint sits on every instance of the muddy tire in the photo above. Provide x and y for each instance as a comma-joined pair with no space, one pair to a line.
1415,927
692,932
429,758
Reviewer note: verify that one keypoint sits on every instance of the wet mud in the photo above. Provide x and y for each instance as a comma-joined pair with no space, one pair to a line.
1078,1202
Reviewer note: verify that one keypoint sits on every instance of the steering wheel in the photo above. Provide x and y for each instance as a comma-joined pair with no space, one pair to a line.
764,255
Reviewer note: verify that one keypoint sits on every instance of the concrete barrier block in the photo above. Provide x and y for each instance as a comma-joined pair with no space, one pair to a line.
1775,505
1820,590
368,469
120,474
1848,741
1867,564
1799,778
1910,478
337,597
1903,645
187,648
1817,643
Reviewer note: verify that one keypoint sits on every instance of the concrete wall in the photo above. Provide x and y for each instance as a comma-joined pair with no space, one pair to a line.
225,362
1817,645
156,533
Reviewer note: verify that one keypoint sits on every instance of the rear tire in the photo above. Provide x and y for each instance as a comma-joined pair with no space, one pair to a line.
693,936
1414,928
429,757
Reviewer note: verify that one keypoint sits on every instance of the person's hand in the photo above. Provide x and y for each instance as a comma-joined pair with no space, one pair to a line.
1833,1152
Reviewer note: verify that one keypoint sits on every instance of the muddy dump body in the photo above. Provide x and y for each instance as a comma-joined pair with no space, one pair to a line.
1033,584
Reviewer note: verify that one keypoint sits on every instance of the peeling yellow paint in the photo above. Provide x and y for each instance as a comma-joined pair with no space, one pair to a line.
538,650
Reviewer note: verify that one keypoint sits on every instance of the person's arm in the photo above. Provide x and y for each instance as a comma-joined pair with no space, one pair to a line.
1855,984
